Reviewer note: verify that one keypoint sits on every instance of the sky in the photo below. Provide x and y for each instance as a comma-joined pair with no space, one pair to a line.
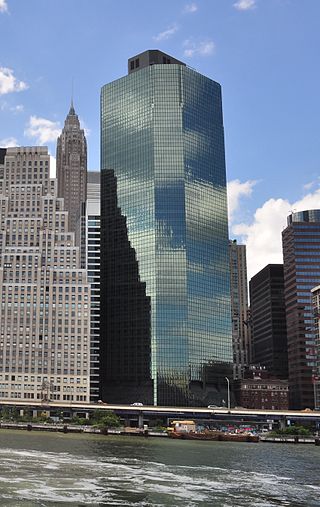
265,54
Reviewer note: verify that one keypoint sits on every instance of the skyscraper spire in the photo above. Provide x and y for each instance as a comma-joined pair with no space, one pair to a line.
72,166
72,111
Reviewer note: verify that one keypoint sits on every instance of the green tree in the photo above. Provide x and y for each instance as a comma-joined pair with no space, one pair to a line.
108,420
293,430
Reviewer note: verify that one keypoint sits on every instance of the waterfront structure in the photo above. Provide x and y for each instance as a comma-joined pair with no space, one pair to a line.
268,320
239,307
88,230
261,391
72,166
315,292
162,135
301,257
45,298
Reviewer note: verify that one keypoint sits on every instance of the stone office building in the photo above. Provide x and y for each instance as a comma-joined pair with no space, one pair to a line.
45,297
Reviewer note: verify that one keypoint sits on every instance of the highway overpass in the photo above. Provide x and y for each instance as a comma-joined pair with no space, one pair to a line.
149,412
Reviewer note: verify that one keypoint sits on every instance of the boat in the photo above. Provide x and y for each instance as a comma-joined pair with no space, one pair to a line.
213,435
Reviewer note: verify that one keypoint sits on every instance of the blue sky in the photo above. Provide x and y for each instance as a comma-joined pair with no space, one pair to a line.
265,54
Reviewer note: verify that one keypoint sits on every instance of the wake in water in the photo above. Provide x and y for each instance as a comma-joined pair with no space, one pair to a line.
35,478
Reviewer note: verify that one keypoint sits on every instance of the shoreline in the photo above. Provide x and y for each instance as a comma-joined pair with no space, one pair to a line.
145,433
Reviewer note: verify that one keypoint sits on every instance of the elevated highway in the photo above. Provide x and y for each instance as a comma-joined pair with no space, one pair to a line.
150,411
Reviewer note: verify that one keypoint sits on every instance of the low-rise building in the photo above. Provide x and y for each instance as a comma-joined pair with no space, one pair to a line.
261,391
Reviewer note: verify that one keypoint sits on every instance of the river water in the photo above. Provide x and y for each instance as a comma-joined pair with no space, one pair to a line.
49,469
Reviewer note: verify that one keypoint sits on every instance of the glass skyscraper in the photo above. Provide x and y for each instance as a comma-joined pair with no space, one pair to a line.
162,135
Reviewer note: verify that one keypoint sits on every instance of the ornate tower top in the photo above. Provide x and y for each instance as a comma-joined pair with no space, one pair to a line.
72,166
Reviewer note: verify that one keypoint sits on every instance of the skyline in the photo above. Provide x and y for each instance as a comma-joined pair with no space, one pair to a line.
252,48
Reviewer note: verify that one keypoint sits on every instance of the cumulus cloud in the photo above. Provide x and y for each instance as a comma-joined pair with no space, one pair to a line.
190,8
166,34
3,6
202,48
236,190
245,5
43,130
263,235
9,83
8,142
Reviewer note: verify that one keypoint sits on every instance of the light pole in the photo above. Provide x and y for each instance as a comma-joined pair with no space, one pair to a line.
228,382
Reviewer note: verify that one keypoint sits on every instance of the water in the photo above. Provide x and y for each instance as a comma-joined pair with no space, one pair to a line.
48,469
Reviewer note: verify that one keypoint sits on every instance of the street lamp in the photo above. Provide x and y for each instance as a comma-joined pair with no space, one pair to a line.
228,382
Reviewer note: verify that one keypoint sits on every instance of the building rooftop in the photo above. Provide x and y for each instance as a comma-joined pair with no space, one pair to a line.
151,57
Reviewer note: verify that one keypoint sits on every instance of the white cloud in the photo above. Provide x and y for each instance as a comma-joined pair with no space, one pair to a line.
166,34
190,8
17,109
311,184
8,142
87,130
53,164
43,130
202,48
9,83
236,190
3,6
245,5
5,106
263,235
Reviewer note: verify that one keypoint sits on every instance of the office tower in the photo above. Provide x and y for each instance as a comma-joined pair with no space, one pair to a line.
268,320
45,310
315,293
162,135
239,307
88,234
72,166
125,345
301,257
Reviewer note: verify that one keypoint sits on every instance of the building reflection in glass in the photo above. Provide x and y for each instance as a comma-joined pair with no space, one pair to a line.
162,134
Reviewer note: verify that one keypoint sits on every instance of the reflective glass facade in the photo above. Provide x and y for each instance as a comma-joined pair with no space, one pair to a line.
162,135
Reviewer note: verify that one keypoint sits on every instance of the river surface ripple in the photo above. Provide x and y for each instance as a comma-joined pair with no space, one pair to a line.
49,469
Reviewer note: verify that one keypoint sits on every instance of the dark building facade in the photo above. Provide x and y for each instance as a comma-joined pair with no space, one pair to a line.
268,320
162,134
316,313
125,349
260,391
72,167
301,257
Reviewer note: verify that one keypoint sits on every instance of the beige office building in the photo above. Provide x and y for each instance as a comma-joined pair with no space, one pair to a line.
239,308
45,297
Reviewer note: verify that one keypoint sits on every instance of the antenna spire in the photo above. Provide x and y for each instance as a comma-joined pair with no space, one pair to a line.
72,111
